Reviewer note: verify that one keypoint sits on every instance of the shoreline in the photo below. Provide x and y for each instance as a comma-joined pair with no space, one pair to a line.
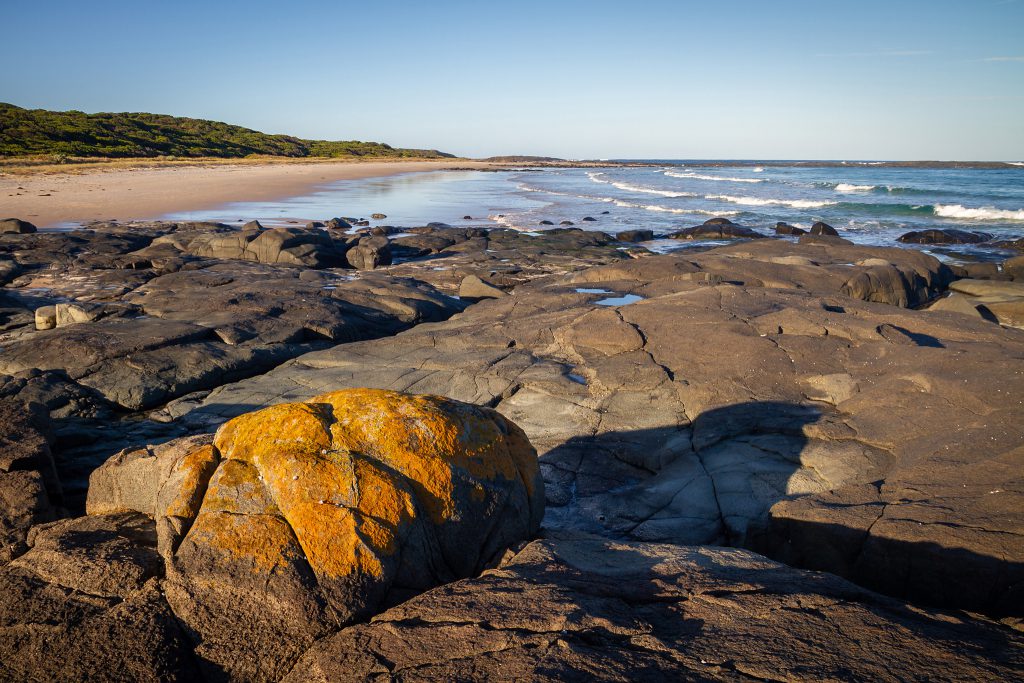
134,193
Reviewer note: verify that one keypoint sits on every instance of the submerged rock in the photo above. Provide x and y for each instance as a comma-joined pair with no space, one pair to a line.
946,236
716,229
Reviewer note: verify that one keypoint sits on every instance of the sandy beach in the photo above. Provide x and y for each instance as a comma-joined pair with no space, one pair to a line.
48,199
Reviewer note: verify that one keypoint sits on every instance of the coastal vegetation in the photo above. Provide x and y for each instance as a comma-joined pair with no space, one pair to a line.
63,135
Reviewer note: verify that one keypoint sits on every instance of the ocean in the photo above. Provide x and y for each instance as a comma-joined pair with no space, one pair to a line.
867,202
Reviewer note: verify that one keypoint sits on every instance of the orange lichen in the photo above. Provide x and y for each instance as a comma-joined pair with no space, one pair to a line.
264,540
193,469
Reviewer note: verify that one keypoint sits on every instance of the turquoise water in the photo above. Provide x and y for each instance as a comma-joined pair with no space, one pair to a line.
870,204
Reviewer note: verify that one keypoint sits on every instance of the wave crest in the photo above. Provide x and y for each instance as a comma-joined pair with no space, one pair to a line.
698,176
984,213
757,201
628,187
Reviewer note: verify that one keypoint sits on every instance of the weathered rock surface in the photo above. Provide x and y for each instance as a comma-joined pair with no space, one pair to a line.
30,492
590,609
754,396
1002,302
84,604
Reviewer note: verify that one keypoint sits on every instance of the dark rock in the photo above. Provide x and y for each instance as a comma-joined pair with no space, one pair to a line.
437,225
635,235
378,216
338,224
787,229
315,224
566,223
16,225
546,223
821,228
30,492
824,240
716,229
947,236
369,253
467,218
84,604
589,219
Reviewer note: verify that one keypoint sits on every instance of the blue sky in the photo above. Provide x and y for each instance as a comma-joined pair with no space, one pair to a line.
911,79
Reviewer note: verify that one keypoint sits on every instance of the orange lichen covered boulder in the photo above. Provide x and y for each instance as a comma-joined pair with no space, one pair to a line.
302,517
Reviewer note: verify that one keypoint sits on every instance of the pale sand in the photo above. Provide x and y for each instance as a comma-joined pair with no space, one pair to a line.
146,193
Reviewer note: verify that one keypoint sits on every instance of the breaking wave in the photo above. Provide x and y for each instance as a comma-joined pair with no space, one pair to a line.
757,201
983,213
628,187
698,176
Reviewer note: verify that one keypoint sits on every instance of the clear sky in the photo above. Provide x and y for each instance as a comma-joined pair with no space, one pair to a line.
857,79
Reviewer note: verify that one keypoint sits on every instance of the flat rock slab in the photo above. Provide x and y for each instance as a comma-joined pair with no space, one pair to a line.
589,609
748,397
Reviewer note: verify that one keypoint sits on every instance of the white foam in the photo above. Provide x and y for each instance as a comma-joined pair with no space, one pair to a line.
757,169
668,209
698,176
984,213
847,187
756,201
628,187
1015,163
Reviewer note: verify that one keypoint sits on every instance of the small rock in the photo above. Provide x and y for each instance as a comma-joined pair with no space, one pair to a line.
821,228
473,287
787,229
46,317
635,235
16,225
338,224
378,216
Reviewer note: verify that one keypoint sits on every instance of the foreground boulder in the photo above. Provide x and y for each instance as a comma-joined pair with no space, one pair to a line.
590,609
302,517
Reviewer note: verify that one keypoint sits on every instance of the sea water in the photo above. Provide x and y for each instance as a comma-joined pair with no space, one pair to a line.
867,202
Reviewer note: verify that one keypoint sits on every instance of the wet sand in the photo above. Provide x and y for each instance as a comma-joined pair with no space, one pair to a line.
124,194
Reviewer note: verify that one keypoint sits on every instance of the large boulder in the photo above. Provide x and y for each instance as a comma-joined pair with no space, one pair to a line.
301,517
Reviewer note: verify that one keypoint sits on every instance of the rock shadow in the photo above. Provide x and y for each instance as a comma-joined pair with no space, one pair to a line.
720,481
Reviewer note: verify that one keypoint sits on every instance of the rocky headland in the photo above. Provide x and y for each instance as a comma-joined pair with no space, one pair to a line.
335,453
